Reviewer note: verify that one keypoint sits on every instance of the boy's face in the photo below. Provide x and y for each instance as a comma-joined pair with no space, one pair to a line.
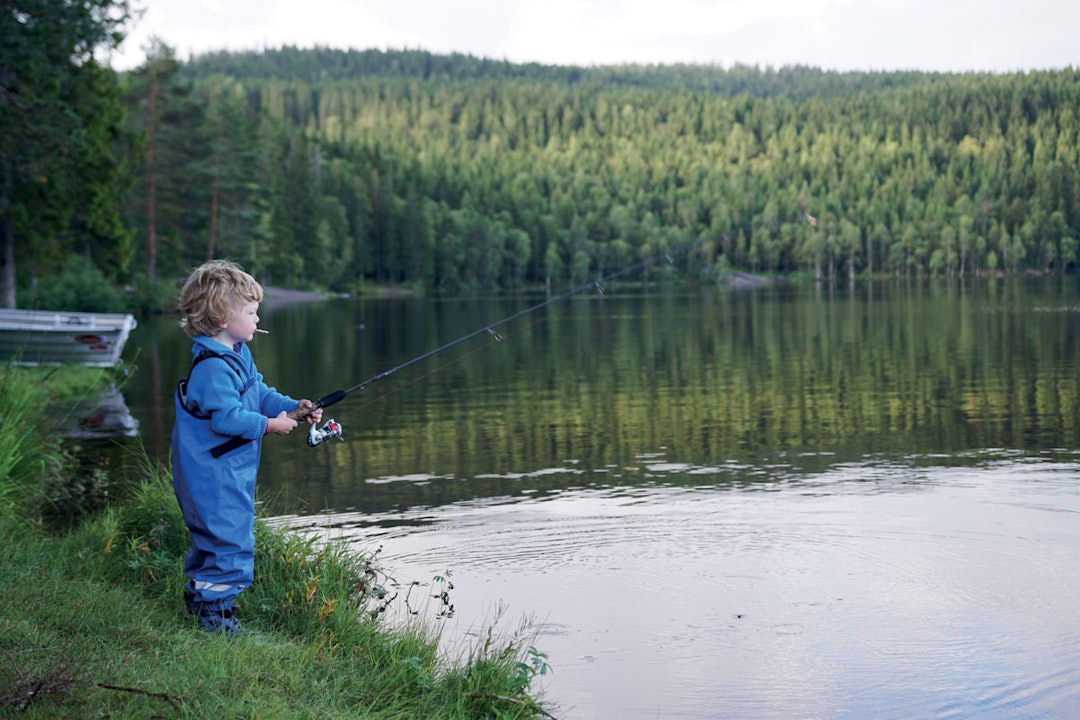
240,327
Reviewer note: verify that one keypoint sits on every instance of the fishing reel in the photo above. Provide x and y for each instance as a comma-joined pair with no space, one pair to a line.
332,429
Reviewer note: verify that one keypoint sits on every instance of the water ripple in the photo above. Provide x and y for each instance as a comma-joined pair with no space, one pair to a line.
889,588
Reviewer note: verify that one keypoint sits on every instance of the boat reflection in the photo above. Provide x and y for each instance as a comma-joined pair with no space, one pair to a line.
103,416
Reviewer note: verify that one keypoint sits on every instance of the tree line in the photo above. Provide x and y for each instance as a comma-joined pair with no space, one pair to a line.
331,169
488,177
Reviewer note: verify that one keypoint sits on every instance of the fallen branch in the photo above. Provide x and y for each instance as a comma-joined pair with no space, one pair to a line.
12,661
58,678
164,696
525,703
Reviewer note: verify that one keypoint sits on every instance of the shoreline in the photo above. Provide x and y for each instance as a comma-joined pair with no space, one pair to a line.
277,296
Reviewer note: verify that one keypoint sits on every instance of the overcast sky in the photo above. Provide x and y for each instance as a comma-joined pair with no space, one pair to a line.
944,35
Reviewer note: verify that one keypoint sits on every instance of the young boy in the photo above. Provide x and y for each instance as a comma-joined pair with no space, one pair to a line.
222,411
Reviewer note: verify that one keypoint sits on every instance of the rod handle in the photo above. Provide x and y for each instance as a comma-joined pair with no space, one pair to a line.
326,401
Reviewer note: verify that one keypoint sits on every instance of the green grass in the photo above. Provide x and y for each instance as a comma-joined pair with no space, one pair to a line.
92,625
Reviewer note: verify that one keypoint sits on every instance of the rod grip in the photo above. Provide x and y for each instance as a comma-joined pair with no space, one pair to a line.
326,401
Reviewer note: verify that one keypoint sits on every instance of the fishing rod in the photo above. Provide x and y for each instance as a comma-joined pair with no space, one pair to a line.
333,429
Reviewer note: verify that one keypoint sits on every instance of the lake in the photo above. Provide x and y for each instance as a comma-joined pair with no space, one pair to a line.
773,503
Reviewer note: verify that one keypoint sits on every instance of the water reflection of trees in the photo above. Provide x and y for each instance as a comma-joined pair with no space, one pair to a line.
717,381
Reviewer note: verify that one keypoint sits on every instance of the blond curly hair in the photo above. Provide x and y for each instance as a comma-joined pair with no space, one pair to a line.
216,291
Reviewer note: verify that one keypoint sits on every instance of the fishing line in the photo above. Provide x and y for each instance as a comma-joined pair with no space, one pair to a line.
339,395
489,329
459,358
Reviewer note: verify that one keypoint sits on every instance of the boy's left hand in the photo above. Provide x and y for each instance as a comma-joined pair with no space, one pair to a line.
315,415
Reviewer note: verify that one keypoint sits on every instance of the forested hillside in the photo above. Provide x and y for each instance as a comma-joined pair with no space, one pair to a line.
324,168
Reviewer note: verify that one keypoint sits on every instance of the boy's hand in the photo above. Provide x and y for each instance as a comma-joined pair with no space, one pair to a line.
314,416
280,425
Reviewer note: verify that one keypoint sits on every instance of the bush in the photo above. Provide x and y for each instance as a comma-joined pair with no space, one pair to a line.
80,287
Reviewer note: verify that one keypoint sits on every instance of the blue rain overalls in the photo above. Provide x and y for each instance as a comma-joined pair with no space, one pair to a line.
221,415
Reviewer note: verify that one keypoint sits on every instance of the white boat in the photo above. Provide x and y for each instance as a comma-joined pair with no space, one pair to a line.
47,337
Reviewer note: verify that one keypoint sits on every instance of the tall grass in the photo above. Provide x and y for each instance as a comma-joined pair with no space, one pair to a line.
30,459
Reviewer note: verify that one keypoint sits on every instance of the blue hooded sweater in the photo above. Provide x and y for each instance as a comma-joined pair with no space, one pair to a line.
225,407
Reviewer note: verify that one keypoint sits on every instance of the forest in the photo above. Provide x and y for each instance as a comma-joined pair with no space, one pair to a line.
448,174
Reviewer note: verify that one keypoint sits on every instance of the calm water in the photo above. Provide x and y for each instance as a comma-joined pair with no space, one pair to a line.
769,504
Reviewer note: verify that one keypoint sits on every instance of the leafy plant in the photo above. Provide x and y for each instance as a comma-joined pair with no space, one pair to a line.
536,664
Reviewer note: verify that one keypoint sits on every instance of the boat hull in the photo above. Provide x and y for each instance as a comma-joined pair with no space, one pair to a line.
43,337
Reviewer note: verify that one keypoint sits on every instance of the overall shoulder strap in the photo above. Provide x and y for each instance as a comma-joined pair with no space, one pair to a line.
182,385
207,353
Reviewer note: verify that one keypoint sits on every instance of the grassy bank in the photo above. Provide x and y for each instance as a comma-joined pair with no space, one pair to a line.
93,625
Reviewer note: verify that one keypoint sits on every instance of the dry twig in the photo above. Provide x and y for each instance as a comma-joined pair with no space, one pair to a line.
27,690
